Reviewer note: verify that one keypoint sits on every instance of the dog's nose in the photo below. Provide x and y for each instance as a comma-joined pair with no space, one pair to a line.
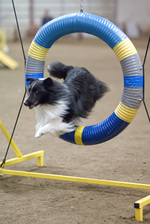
26,103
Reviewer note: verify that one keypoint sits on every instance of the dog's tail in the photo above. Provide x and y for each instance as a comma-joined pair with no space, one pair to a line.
102,88
58,69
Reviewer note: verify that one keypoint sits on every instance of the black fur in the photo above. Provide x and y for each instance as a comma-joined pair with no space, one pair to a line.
80,90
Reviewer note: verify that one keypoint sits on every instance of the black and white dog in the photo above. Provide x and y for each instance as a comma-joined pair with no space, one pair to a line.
60,106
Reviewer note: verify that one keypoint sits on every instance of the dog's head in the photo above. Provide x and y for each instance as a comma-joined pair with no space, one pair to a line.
38,91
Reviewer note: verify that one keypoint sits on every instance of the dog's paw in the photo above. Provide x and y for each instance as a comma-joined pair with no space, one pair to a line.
38,134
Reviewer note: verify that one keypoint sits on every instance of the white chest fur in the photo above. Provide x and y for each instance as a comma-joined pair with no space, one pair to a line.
50,119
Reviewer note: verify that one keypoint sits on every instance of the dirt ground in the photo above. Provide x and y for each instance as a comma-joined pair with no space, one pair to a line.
124,158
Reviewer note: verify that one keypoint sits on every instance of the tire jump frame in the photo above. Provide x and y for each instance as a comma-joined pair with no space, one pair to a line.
124,50
113,125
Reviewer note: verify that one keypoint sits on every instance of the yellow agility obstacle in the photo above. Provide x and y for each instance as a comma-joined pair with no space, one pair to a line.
20,158
40,154
3,40
8,61
5,58
138,205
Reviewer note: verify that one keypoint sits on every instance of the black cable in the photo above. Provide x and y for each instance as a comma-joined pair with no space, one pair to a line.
146,110
19,33
4,160
144,61
146,51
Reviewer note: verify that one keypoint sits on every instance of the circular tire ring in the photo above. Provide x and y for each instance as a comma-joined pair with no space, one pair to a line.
124,50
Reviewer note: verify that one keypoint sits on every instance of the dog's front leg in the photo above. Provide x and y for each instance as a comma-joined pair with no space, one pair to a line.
56,128
43,130
48,128
38,134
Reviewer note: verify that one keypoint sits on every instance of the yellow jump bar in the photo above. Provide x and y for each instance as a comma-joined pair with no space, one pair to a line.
38,154
76,179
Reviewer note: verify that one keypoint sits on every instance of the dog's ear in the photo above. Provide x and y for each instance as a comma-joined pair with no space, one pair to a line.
30,80
47,83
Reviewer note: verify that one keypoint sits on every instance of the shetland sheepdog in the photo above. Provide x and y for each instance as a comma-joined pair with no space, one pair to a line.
60,106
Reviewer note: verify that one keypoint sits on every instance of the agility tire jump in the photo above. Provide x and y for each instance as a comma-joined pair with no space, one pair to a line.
124,50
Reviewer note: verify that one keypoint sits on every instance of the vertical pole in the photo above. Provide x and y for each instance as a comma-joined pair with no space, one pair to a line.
40,160
115,12
139,214
81,5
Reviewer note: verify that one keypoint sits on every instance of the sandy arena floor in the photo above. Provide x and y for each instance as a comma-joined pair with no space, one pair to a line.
124,158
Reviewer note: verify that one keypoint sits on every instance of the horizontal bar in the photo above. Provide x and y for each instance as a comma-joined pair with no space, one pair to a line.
76,179
24,158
